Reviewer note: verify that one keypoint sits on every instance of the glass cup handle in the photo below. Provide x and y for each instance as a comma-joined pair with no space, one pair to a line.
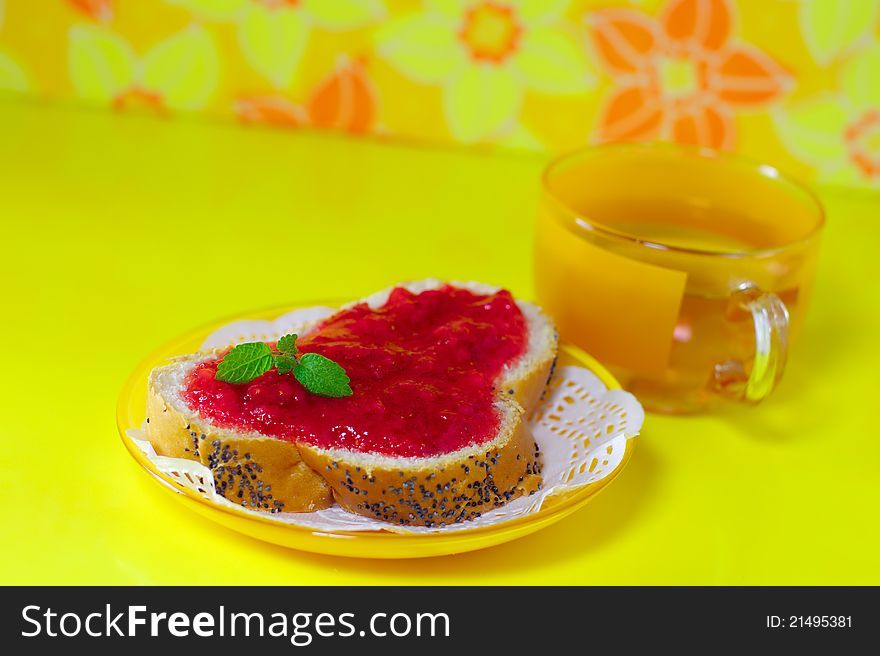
770,318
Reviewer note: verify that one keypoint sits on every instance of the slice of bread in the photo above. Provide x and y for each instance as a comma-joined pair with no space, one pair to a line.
271,474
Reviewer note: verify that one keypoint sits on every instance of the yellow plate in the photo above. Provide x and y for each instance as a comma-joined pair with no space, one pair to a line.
130,413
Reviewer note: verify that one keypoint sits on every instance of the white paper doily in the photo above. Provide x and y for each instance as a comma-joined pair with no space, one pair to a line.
580,426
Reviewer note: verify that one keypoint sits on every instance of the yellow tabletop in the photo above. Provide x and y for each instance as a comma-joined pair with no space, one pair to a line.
121,232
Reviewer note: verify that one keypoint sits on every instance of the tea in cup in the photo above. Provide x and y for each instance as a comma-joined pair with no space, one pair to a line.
686,271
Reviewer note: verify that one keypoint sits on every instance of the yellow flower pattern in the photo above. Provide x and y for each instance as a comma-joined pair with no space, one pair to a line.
839,134
273,33
527,74
486,53
180,72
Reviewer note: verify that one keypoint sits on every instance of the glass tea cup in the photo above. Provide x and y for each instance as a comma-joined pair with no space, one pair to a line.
686,271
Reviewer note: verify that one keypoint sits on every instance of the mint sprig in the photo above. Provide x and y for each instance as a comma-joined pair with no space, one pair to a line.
317,374
245,362
322,376
287,344
285,364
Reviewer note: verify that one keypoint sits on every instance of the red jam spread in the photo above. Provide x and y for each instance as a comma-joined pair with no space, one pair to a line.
422,369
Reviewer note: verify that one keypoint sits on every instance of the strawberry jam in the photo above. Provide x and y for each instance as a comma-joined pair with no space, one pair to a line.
422,370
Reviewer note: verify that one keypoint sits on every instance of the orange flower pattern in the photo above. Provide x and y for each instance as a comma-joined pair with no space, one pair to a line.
680,78
346,100
99,10
791,83
861,139
272,110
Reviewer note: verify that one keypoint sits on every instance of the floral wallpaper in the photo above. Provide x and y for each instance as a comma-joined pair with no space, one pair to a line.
795,83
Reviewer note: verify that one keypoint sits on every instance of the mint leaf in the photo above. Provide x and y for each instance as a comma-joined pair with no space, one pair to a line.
285,363
244,363
317,374
287,344
322,376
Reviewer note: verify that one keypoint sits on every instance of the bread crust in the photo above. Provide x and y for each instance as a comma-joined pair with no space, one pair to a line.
528,389
259,473
420,493
275,475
